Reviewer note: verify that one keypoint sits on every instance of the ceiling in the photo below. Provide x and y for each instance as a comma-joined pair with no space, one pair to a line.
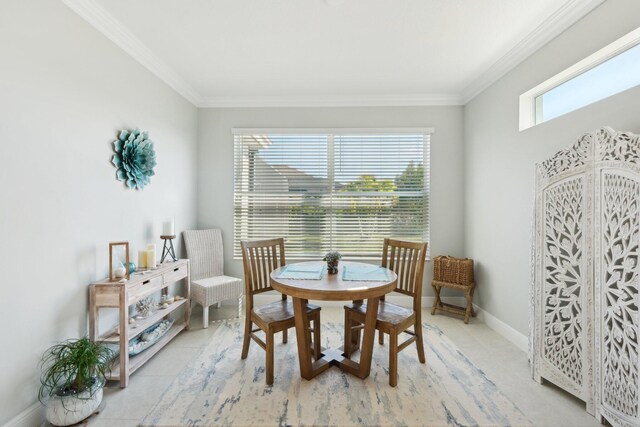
330,52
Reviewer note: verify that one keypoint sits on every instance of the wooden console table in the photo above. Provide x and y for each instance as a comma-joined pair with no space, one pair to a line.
121,295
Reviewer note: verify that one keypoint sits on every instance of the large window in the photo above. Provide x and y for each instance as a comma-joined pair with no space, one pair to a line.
342,189
611,70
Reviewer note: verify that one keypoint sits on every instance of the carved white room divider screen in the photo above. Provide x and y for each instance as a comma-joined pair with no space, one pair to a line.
584,333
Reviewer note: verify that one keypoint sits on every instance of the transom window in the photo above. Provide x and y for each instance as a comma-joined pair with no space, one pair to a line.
322,190
609,71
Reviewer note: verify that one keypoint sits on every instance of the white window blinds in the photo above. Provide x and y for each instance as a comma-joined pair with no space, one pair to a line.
341,190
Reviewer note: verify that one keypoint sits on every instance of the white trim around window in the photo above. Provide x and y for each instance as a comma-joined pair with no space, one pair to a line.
529,108
324,131
327,189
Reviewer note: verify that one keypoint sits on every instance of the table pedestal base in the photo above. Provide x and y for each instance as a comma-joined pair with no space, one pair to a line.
334,357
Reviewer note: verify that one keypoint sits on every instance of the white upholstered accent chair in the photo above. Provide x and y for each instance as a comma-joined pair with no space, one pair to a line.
209,285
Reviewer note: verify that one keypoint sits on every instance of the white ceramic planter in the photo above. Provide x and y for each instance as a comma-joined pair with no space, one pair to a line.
69,410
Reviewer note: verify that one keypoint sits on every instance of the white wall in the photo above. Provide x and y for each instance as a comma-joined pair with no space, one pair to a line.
65,90
215,163
500,160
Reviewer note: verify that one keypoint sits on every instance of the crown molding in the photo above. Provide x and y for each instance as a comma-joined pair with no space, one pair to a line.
332,101
570,12
111,28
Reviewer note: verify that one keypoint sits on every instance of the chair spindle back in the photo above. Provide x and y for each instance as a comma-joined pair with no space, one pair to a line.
406,259
260,258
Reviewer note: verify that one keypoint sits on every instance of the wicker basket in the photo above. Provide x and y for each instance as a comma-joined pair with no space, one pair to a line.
453,270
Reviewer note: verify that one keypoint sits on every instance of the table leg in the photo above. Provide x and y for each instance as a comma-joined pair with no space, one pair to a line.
302,335
309,369
368,335
93,315
124,338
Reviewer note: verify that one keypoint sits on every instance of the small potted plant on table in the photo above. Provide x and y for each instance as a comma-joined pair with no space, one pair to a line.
73,375
333,259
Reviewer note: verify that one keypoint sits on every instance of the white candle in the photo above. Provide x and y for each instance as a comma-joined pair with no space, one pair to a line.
142,259
168,228
151,258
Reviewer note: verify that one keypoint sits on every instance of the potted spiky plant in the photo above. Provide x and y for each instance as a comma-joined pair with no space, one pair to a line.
73,375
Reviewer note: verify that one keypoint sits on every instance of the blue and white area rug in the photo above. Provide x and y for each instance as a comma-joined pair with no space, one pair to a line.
218,388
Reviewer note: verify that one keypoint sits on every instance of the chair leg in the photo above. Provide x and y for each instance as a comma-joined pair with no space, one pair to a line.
347,335
417,328
309,319
285,336
380,337
355,334
393,357
270,336
351,336
240,306
247,337
205,317
317,348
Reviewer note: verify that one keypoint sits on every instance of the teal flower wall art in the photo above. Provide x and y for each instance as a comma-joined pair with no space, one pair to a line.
135,158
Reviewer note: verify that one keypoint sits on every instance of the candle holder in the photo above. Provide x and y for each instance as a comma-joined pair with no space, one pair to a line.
167,248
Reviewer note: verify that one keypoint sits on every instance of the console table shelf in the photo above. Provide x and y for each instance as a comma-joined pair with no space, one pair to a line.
121,295
138,360
142,324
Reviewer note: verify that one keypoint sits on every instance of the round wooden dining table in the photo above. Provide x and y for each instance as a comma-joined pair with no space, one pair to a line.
332,287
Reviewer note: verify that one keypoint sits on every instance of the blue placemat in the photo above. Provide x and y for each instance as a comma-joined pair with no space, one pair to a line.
302,272
372,273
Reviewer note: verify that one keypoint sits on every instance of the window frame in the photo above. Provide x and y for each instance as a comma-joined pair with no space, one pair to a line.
529,107
425,131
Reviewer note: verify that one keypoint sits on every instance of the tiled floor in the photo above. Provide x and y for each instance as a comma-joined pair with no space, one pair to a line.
507,366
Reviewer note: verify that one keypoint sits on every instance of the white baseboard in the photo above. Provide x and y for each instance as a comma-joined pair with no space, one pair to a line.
30,417
516,338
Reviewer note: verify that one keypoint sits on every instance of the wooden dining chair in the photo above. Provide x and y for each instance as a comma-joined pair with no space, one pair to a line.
406,259
260,258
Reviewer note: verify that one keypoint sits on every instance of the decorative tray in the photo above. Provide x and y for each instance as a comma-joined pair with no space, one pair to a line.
148,338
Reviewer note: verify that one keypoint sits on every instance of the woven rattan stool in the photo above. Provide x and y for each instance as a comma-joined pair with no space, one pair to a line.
455,273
